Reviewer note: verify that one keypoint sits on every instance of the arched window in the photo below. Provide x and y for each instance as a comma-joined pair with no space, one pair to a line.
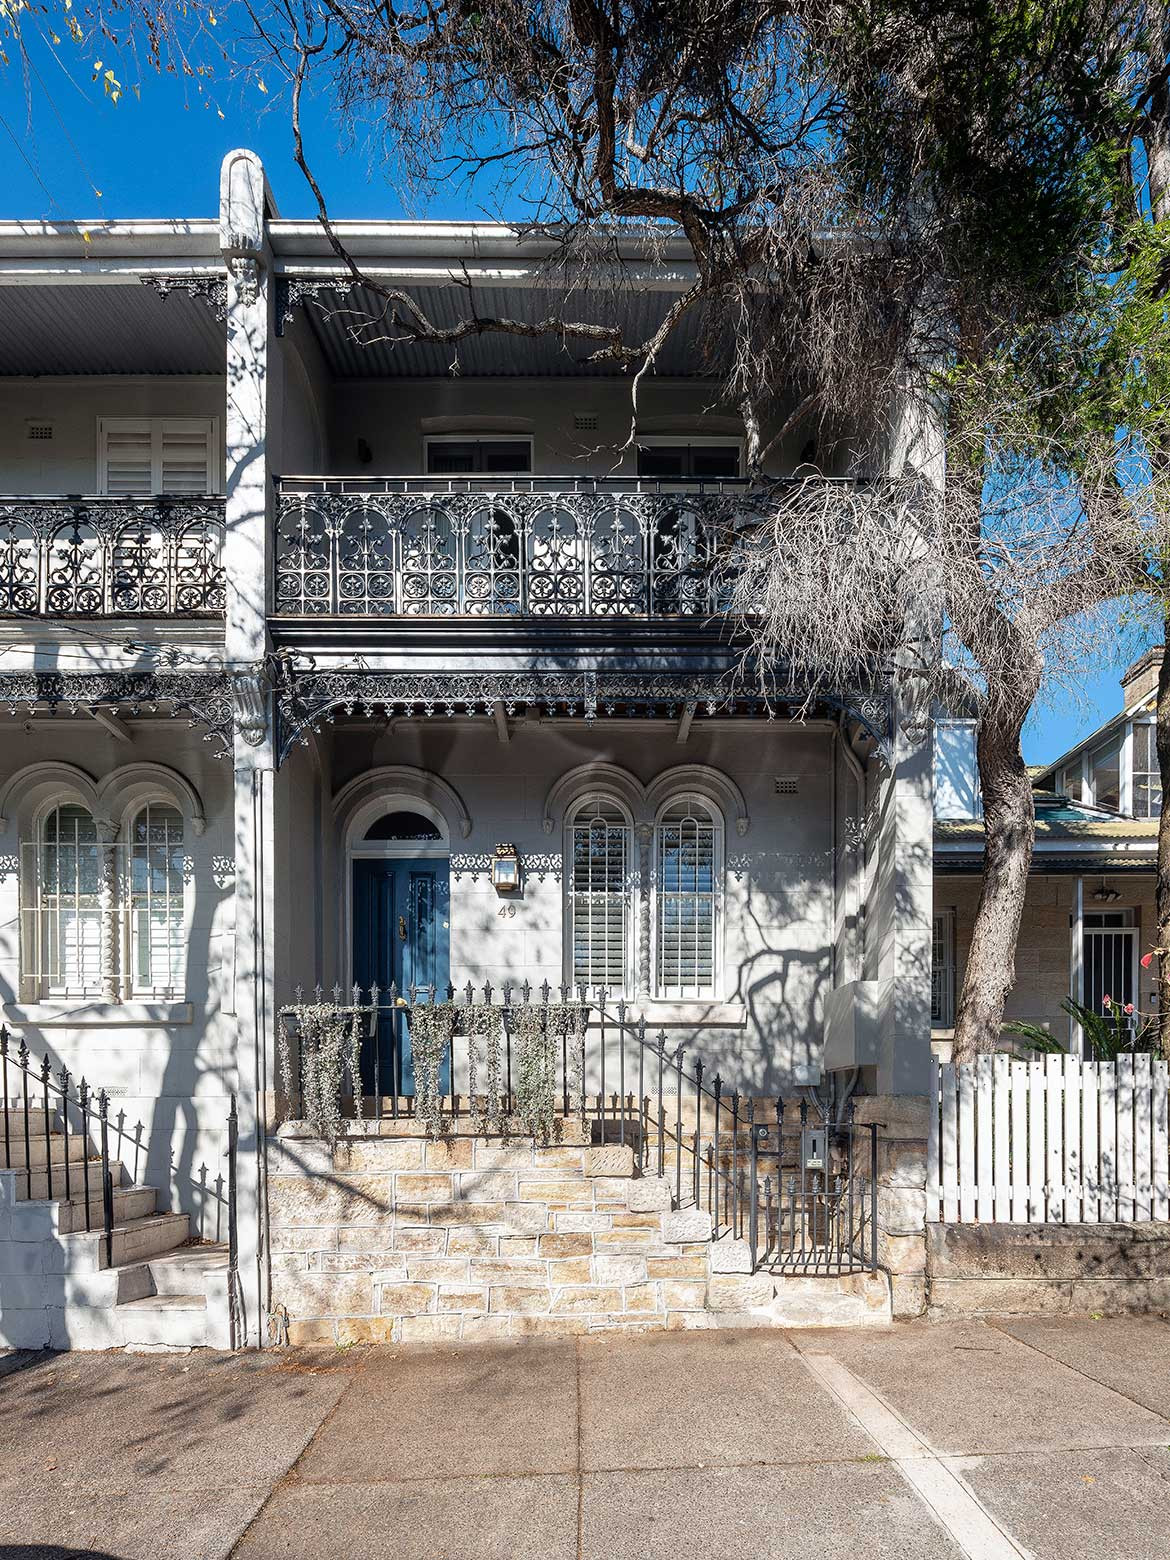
157,941
400,826
69,929
102,917
599,894
688,871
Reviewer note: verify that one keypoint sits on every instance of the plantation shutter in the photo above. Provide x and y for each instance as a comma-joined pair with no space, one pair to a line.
599,899
184,457
170,455
128,463
686,876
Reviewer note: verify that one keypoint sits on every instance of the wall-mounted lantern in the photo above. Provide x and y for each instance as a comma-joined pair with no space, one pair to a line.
506,869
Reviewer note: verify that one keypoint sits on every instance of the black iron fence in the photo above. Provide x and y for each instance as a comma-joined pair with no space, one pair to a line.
798,1186
34,1099
56,1136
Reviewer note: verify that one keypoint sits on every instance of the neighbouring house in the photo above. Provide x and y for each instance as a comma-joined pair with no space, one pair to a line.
1090,911
325,665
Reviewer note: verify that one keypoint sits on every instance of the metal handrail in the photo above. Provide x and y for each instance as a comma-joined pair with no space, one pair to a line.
60,1094
82,1101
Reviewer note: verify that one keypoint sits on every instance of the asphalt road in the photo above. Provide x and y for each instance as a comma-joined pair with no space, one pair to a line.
1038,1438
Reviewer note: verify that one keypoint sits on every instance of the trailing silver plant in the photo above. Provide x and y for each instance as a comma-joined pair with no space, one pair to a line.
486,1023
538,1029
330,1043
432,1025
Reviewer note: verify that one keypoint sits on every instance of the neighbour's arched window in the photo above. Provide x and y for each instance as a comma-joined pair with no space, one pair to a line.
65,932
157,941
598,871
105,917
688,888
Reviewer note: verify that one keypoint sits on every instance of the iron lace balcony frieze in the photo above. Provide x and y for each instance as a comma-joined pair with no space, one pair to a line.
517,549
111,557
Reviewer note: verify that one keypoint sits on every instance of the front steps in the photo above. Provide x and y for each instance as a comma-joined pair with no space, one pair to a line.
61,1289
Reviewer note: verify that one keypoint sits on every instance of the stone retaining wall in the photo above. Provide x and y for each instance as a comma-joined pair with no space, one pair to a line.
1053,1269
400,1239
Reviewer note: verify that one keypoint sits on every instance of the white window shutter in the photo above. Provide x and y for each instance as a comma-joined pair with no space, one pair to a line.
599,897
128,464
171,455
687,873
184,457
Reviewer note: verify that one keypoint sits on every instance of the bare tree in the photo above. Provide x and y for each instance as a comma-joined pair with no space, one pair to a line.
881,201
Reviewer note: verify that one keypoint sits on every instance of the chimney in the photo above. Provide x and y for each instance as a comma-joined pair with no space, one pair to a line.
1141,679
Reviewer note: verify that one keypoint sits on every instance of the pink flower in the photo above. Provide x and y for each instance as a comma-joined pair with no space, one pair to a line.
1147,960
1128,1008
1107,1000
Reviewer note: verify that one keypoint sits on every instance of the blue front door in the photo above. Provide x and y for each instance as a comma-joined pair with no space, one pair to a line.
401,916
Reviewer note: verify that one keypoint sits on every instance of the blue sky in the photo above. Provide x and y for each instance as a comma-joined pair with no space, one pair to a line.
159,156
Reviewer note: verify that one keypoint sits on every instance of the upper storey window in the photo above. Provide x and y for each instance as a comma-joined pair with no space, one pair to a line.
1105,774
172,455
470,457
1120,775
695,459
1147,784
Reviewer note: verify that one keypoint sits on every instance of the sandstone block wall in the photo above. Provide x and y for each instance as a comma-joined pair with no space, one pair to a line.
399,1239
1049,1269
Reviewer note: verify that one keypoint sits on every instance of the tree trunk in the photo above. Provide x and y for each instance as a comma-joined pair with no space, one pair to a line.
1162,895
1009,819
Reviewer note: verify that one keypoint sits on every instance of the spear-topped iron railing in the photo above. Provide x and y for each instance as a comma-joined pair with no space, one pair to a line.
30,1090
23,1083
801,1192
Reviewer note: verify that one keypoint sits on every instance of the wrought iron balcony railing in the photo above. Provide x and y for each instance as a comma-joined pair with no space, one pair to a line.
111,557
504,547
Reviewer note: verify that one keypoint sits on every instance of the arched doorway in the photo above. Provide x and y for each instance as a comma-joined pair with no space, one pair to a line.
401,917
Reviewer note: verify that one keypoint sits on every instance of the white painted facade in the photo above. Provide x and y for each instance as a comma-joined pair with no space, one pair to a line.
823,882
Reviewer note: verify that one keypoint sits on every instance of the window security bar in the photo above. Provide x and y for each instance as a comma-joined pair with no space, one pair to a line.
104,919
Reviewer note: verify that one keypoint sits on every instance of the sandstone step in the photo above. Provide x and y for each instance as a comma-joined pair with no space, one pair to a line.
177,1320
183,1271
45,1184
134,1242
130,1203
13,1156
36,1120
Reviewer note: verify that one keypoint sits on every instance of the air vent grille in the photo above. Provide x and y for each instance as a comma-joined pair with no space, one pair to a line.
786,785
585,422
40,430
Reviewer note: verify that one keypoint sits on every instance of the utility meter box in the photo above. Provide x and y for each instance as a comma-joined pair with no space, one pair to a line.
814,1148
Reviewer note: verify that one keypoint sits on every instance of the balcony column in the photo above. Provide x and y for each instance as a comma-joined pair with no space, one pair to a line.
247,555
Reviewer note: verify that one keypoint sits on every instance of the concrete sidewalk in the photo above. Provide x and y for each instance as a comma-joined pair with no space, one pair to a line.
1049,1439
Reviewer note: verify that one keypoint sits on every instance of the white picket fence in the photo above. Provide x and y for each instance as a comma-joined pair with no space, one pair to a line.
1049,1141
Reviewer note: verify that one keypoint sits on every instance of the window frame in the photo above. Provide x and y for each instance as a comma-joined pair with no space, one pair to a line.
652,441
115,910
659,992
477,438
40,978
1151,775
129,950
631,894
943,920
208,425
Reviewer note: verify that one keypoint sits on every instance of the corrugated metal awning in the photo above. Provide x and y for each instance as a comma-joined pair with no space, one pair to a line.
107,330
